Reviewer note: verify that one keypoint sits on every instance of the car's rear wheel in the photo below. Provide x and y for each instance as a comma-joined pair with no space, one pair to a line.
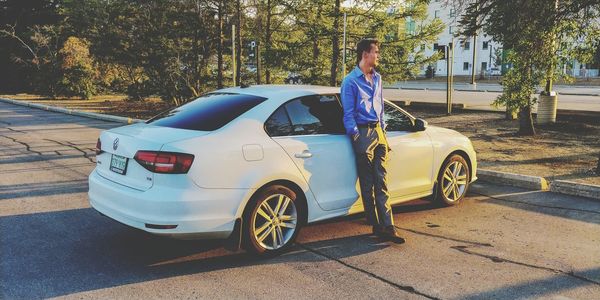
272,221
453,181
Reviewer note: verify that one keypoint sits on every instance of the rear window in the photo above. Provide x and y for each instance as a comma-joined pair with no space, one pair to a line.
207,113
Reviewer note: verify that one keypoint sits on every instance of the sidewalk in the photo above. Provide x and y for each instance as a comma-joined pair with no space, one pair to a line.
491,87
479,100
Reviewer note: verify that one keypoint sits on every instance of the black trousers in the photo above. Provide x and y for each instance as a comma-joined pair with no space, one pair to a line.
371,152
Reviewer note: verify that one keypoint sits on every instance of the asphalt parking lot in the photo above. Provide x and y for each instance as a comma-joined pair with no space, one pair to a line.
502,242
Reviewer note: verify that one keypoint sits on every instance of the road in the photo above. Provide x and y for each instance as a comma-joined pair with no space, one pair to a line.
483,100
502,242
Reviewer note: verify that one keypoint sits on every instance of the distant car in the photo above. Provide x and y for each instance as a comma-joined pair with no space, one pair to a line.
261,162
495,72
293,78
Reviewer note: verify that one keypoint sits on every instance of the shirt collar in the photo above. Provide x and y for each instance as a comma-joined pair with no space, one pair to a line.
358,72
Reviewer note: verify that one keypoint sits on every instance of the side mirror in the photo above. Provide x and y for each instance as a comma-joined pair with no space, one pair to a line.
420,125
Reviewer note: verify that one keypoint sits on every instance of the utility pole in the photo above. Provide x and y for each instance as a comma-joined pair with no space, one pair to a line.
490,64
474,67
449,74
256,54
344,51
233,61
238,39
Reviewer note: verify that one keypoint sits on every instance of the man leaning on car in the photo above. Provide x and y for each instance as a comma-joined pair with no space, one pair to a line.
362,101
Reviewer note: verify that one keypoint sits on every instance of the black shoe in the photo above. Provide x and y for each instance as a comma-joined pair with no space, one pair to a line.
378,230
390,233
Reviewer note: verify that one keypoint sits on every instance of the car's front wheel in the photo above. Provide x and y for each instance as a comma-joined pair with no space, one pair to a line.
453,181
272,221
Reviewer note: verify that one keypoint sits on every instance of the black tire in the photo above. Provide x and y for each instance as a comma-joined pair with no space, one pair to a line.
253,219
443,194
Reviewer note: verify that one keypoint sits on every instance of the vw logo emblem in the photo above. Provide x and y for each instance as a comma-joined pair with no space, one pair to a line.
116,144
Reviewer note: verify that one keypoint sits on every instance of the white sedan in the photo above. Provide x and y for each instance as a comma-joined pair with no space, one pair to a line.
257,163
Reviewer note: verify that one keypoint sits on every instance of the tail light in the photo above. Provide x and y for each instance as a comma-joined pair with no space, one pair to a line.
164,162
99,147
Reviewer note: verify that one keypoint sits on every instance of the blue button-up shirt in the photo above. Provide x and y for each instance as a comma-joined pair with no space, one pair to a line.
362,102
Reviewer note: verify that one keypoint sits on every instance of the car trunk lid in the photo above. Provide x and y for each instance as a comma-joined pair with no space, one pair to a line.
119,146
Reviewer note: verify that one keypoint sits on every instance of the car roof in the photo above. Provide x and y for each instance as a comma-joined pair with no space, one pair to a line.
282,91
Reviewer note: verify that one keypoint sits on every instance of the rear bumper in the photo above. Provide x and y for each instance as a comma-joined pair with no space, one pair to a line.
197,212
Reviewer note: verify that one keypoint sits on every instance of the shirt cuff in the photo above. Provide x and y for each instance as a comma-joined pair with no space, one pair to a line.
353,131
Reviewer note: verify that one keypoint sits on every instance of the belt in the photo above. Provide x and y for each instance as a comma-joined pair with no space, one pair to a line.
368,125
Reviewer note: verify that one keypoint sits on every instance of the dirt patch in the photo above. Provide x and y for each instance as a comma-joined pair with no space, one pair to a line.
566,150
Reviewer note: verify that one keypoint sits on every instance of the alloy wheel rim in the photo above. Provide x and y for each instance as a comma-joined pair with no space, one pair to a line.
454,181
274,222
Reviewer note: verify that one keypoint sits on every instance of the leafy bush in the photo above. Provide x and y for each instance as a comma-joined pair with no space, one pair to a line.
77,68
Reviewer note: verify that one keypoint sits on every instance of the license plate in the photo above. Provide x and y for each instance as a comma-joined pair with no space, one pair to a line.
118,164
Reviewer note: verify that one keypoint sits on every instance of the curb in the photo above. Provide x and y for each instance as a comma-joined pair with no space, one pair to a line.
75,112
582,94
540,183
524,181
575,189
427,104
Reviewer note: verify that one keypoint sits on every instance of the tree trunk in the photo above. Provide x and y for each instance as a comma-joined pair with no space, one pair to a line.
259,30
511,113
335,43
267,61
315,51
220,47
526,121
238,39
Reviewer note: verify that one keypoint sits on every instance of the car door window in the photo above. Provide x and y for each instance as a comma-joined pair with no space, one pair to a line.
279,123
396,120
318,114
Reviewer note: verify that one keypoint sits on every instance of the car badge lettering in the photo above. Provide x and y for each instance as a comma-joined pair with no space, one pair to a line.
116,144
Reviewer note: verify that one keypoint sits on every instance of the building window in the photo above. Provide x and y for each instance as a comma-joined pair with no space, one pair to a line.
436,14
465,66
450,30
410,27
422,47
467,45
485,45
452,13
484,65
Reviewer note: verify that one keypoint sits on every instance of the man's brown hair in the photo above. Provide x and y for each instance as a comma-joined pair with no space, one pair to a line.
364,45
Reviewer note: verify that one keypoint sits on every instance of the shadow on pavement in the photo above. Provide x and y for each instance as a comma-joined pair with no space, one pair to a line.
548,286
43,189
59,253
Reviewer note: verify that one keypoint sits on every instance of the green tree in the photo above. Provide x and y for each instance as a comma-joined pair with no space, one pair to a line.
534,34
20,56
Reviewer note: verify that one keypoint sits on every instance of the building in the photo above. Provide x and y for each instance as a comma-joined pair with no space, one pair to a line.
486,49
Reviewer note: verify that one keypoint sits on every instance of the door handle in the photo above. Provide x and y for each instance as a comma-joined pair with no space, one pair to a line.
304,154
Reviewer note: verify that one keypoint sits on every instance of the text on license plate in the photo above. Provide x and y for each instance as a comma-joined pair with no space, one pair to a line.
118,164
